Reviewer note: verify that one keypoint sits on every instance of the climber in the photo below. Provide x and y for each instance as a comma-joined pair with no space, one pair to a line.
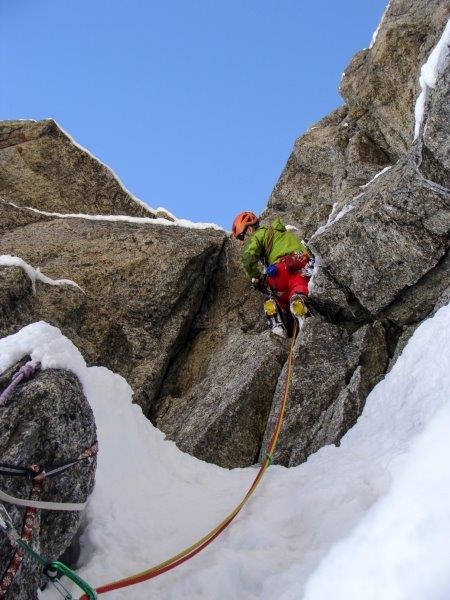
286,264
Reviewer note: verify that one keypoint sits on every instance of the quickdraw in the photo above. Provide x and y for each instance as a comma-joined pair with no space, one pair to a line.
38,472
198,546
35,471
53,570
26,537
38,475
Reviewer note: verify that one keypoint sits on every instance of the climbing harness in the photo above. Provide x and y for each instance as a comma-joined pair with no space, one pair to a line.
53,570
23,374
198,546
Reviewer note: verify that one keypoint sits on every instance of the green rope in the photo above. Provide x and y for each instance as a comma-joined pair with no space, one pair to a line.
34,555
54,569
61,569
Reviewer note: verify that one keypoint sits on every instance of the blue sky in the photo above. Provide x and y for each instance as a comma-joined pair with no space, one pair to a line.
195,104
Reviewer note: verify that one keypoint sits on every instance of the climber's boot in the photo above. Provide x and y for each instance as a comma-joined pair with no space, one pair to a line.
298,307
279,330
273,318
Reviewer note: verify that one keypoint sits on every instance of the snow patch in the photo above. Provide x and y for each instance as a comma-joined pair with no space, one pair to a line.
376,177
375,33
122,218
6,260
333,218
429,74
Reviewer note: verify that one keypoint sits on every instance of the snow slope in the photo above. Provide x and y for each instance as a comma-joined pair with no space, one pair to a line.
367,520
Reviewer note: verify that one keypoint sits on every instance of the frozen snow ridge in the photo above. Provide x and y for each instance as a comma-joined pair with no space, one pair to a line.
375,33
6,260
123,218
429,73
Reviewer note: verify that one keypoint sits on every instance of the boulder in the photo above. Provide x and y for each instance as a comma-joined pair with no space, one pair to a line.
222,418
46,421
394,233
141,292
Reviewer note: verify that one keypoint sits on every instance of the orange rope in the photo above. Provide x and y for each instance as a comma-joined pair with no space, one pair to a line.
195,548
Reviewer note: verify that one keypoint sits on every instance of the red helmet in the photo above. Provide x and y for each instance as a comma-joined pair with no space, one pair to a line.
242,221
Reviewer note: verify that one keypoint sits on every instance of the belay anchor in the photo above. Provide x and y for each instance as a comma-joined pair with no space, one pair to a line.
52,569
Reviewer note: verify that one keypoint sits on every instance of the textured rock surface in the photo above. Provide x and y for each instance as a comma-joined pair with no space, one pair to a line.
332,374
40,166
46,421
224,415
218,392
169,308
396,232
381,242
143,286
374,128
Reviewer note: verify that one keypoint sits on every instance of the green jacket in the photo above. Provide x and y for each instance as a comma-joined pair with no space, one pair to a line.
283,242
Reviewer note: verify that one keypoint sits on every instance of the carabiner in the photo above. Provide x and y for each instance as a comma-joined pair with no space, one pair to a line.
54,569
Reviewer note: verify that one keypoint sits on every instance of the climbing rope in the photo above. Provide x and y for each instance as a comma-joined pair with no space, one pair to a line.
53,570
25,537
23,374
198,546
38,474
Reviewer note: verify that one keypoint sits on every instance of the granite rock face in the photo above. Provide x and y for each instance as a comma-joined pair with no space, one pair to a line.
143,285
373,200
375,127
41,167
332,375
46,421
392,235
218,391
169,307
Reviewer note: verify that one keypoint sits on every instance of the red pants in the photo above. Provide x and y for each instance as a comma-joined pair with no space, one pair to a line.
286,284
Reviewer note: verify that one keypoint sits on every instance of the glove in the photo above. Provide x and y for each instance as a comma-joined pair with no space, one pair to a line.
258,283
